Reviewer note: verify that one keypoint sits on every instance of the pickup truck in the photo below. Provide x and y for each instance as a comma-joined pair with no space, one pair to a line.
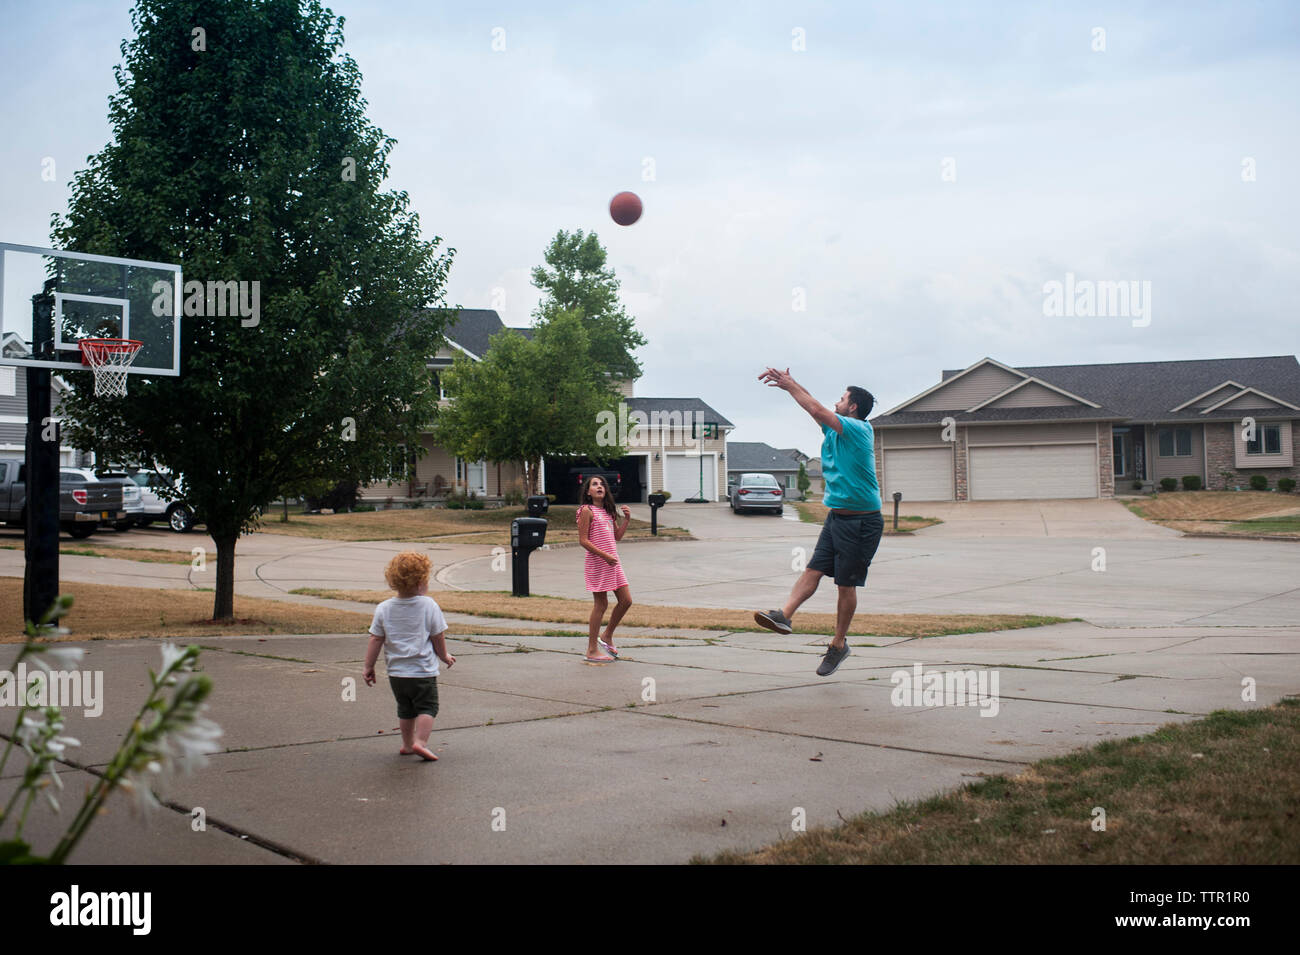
83,503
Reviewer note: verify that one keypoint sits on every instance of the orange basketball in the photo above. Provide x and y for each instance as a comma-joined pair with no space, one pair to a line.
625,208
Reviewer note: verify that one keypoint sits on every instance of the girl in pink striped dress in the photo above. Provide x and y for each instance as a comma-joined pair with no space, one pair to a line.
598,531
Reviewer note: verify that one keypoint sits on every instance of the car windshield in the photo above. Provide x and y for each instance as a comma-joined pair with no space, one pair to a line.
758,480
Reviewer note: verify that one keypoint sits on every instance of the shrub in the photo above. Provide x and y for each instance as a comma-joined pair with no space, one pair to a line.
1137,485
1258,482
1191,482
341,497
1168,484
550,499
1286,485
667,494
514,494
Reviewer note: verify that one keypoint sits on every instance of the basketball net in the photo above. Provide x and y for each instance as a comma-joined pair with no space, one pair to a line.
110,359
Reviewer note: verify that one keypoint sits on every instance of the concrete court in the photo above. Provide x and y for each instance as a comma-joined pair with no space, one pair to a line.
583,768
739,730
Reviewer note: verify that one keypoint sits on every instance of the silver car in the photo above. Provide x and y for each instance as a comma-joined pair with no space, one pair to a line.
758,492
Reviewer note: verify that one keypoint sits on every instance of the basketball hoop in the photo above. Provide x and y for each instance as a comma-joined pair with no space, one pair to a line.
109,359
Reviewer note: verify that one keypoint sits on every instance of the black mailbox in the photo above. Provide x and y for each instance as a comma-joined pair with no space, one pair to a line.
527,532
526,535
656,501
537,505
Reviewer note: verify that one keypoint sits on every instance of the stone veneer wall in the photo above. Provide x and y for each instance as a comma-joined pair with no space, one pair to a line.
961,492
1105,461
1221,455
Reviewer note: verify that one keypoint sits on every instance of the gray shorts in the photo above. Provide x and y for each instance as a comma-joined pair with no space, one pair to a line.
846,546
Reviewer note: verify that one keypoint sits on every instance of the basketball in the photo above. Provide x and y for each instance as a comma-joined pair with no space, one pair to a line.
625,208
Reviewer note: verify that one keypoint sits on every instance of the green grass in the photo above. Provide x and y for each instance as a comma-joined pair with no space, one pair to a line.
1268,525
1172,797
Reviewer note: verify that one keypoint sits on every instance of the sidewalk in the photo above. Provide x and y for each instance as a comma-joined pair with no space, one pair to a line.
579,765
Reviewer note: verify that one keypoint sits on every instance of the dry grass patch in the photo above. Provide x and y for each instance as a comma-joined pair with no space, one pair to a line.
563,610
148,555
1215,506
814,512
437,523
1171,798
101,612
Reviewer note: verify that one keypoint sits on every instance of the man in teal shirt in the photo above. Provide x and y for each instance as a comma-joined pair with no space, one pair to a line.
853,527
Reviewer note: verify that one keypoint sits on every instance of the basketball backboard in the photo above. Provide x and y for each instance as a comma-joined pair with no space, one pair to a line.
53,299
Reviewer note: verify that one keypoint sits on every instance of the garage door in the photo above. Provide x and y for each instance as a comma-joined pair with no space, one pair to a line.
1033,472
682,476
922,474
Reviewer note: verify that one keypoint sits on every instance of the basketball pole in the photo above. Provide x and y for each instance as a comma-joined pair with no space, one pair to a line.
41,538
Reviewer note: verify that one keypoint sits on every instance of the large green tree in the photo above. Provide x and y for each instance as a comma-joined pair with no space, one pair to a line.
241,151
529,398
575,278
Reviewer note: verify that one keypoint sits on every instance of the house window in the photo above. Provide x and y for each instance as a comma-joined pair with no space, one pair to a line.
1175,442
398,465
1267,440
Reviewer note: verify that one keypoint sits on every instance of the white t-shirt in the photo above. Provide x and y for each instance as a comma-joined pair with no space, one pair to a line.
406,624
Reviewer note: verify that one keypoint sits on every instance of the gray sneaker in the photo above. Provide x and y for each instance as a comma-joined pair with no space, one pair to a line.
834,657
773,620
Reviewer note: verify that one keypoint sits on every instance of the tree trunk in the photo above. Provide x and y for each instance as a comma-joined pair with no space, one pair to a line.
223,606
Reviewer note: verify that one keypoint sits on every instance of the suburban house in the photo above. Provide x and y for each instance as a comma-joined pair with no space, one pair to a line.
677,445
993,432
744,457
674,444
437,471
13,405
812,467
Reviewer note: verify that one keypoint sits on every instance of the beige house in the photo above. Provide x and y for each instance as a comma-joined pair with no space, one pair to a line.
993,432
674,444
438,472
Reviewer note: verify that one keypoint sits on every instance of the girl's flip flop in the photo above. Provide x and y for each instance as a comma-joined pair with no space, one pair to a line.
599,659
608,649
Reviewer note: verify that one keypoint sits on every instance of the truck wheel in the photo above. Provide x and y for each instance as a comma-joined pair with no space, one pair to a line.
81,531
180,518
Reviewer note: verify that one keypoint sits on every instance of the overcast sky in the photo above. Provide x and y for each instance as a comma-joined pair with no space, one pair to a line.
885,202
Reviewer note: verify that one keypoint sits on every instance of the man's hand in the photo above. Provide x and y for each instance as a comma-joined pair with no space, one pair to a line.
777,378
449,660
369,676
824,416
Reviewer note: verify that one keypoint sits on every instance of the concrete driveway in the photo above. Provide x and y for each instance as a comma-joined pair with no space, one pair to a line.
1029,519
691,743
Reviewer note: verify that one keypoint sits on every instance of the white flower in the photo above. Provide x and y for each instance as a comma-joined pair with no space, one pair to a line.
171,654
28,732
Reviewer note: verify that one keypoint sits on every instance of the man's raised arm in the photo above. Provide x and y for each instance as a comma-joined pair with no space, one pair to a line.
820,413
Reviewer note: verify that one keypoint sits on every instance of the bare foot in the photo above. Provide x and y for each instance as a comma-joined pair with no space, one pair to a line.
424,753
405,752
